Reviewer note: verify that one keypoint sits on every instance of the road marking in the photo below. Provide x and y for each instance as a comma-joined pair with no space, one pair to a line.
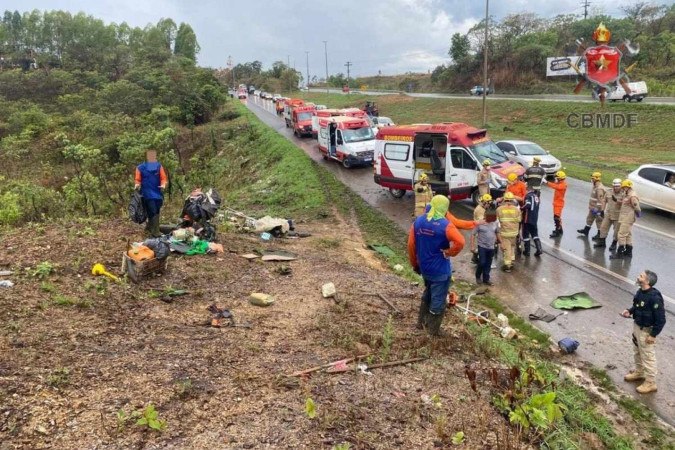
670,236
600,268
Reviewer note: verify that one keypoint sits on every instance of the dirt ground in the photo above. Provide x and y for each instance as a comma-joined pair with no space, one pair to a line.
76,350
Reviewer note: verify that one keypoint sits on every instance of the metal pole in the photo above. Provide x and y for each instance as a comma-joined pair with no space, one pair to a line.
325,49
348,64
485,64
307,81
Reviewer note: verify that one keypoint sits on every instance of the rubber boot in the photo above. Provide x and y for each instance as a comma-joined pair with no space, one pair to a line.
629,251
537,244
596,237
619,252
647,387
601,243
435,322
423,316
154,227
584,230
526,252
613,246
556,233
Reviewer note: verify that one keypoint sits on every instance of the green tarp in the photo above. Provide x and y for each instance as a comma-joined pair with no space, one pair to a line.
580,300
382,250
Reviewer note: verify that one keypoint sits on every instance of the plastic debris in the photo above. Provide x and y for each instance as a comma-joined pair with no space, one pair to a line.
266,236
6,284
502,320
508,333
328,290
5,273
568,345
260,299
398,268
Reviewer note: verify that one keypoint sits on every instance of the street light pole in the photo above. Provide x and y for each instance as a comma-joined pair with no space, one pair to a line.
307,82
325,49
485,64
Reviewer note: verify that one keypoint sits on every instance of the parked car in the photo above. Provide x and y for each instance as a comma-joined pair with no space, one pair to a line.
649,182
523,152
381,121
318,107
478,90
276,97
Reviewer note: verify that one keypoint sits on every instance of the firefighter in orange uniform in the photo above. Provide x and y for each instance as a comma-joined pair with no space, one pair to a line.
515,186
560,187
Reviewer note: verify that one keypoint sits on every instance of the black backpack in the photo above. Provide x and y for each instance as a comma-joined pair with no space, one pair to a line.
137,213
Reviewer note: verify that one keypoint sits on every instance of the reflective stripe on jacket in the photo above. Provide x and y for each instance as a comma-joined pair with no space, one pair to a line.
509,218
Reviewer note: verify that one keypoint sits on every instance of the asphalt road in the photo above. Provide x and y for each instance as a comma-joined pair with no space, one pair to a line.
569,265
581,98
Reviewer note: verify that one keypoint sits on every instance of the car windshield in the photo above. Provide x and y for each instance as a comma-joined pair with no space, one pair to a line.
305,116
488,150
358,134
530,149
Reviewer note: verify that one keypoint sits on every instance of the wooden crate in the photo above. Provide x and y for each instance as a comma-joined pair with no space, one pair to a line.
137,270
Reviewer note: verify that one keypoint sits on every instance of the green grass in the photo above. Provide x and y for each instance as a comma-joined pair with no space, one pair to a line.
615,152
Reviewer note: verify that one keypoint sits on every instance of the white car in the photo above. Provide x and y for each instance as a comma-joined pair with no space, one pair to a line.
523,152
649,183
381,121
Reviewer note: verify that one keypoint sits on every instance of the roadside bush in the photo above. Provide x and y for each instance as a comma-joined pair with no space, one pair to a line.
10,210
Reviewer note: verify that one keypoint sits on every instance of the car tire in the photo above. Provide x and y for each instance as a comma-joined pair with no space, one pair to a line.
346,163
626,99
397,193
475,197
639,99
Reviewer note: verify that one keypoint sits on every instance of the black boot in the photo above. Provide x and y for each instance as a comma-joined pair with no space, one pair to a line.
629,251
596,237
601,243
619,252
584,230
613,246
435,321
537,244
526,252
556,233
423,316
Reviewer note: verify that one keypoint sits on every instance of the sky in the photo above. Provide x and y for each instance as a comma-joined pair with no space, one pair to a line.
387,36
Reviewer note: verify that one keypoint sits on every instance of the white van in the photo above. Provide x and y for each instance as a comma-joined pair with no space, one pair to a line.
349,140
638,91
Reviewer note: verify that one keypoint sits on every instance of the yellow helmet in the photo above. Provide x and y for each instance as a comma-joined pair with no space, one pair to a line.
596,176
560,174
626,183
509,196
536,159
512,177
486,198
487,162
424,176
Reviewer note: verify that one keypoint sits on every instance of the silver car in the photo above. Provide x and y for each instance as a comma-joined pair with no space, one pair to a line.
523,152
654,185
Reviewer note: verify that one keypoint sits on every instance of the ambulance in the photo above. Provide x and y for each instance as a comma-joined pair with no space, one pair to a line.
289,106
450,153
301,120
349,140
332,112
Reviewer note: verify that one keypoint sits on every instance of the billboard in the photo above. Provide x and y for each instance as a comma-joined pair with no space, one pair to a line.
562,65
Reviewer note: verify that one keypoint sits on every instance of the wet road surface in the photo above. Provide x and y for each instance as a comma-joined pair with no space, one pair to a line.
568,265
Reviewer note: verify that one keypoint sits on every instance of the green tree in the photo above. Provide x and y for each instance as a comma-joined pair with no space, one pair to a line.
459,47
186,42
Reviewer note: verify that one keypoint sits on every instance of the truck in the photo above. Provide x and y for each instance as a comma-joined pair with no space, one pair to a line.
289,106
301,120
450,153
349,140
638,91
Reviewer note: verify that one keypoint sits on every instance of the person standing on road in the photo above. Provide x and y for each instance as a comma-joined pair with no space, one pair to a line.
483,180
483,240
423,194
432,240
529,225
560,188
509,221
649,318
517,187
630,210
151,180
535,175
479,216
596,210
612,206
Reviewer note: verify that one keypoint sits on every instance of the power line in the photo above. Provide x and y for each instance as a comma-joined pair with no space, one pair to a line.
348,64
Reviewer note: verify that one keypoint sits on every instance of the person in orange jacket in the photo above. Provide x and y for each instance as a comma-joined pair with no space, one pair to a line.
560,187
151,180
516,187
432,240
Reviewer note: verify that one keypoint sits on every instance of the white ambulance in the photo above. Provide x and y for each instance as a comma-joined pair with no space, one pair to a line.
450,153
349,140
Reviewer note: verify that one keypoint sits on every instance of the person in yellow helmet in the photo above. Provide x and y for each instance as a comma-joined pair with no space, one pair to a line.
630,210
596,206
612,209
560,188
509,218
483,180
423,194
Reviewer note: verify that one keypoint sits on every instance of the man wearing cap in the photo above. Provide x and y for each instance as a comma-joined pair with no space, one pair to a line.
596,211
560,188
649,318
509,222
629,211
423,194
534,175
432,240
612,206
483,180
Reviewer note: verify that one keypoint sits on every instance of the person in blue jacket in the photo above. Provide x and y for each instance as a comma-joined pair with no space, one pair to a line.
151,180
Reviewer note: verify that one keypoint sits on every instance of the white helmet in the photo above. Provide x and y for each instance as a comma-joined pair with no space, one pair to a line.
616,182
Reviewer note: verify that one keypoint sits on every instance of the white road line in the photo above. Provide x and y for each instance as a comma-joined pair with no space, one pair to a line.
600,268
670,236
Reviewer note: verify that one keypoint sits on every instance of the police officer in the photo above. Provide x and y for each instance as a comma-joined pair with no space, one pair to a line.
612,206
649,318
596,210
483,179
529,225
630,210
423,194
534,175
509,221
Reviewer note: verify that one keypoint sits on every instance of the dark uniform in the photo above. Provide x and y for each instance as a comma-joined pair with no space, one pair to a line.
649,318
529,223
534,176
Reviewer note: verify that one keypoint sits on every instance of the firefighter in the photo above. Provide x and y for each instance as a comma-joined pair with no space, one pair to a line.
535,175
509,221
151,180
630,210
596,203
560,188
432,240
649,318
517,187
423,194
483,180
612,208
529,225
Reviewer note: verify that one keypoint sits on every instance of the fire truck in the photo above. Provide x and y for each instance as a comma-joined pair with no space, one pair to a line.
289,106
349,140
450,153
301,120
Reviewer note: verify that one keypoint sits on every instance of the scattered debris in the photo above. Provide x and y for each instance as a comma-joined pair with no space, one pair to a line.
5,273
99,269
390,304
568,345
250,256
223,318
541,314
301,373
395,363
6,284
328,290
278,255
508,333
216,248
398,268
260,299
580,300
283,270
266,237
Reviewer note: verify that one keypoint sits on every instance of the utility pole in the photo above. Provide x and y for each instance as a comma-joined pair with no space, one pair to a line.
348,64
485,63
586,4
288,68
230,65
307,81
325,49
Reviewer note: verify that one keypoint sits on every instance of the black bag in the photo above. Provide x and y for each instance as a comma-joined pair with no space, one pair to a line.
137,213
159,246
